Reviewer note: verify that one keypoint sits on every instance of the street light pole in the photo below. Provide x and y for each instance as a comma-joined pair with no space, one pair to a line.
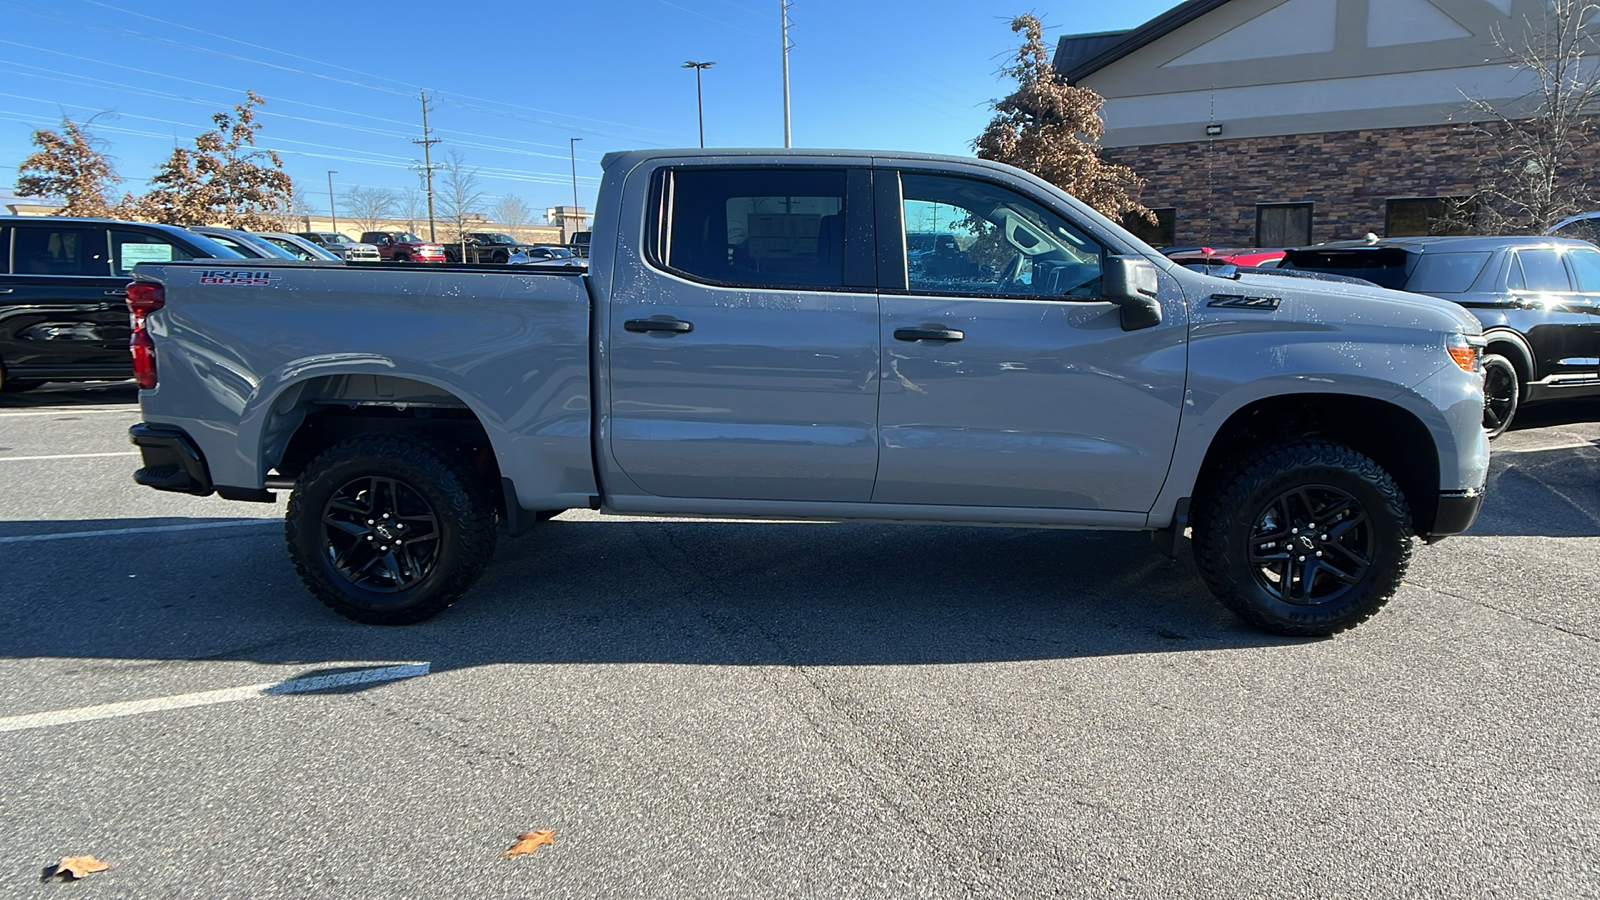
333,209
699,98
572,149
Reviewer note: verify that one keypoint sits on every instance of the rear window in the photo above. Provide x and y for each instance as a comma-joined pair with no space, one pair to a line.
61,250
1383,266
1446,273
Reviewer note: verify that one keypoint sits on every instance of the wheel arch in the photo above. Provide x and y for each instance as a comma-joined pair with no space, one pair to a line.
1513,346
1387,433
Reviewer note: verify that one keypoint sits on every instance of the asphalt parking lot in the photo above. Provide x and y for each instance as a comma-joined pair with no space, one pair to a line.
711,709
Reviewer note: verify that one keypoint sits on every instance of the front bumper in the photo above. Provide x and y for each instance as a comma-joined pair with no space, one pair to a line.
1456,513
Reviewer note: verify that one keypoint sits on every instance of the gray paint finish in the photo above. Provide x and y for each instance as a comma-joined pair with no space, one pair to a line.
1097,415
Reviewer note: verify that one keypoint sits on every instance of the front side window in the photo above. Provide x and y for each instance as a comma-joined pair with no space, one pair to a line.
60,250
129,248
965,236
755,227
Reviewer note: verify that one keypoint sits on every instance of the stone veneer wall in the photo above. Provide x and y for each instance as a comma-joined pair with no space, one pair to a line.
1348,175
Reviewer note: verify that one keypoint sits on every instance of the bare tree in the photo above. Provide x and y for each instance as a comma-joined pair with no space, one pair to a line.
224,180
1050,128
412,205
71,166
459,198
512,212
294,217
1534,170
368,208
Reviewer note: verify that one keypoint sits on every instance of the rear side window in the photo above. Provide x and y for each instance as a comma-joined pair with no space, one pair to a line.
1446,273
60,250
5,250
769,228
1383,266
1542,270
129,248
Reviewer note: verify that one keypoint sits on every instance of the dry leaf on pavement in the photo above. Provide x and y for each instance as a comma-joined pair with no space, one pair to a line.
72,868
529,841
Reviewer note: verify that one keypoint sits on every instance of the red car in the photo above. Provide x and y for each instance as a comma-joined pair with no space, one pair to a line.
1207,256
403,246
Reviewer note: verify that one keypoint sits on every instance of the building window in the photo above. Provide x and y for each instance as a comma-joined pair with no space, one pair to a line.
1283,224
1417,216
1159,234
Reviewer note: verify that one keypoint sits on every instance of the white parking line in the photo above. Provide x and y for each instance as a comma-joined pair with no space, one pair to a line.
207,698
130,410
146,529
68,456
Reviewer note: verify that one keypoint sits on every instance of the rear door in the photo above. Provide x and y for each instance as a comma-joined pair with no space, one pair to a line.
1585,265
742,349
1552,314
1007,381
65,314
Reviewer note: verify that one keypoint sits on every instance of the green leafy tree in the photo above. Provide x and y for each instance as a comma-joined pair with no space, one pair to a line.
1051,128
225,180
69,165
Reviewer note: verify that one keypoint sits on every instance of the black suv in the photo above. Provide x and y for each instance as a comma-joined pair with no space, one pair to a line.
1538,299
63,313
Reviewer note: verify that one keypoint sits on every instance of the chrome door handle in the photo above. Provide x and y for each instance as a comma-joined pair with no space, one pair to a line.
928,334
6,290
658,323
121,292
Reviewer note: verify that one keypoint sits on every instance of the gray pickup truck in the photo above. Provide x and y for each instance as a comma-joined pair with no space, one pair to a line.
754,339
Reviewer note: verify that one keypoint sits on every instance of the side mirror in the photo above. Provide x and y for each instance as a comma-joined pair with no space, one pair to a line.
1132,282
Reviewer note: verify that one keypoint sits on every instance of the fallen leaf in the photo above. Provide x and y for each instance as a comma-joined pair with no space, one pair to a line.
72,868
529,841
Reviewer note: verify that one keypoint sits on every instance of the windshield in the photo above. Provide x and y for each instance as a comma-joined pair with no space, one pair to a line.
497,238
332,238
406,237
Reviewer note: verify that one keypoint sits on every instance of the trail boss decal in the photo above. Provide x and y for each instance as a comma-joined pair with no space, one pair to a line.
237,276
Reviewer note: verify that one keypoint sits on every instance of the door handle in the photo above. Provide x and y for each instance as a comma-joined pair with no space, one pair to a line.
928,334
6,290
121,292
658,323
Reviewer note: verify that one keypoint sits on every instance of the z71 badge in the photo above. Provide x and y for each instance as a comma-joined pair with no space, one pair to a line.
237,276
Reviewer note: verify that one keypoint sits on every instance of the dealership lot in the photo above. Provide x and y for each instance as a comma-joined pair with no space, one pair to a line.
703,708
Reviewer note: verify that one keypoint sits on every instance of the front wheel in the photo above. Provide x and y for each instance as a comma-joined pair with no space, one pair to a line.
1501,394
1303,539
389,530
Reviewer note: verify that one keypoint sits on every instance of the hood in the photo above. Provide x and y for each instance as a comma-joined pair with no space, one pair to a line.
1348,301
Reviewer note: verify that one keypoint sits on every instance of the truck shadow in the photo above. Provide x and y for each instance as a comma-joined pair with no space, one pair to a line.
599,592
106,393
1551,492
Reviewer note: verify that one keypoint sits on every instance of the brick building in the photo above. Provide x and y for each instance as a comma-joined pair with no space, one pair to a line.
1285,122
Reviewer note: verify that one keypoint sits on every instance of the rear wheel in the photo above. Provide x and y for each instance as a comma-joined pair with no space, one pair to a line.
1501,394
500,256
389,530
1304,539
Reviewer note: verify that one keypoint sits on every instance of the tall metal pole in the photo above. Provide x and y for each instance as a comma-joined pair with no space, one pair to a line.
783,13
333,208
427,143
572,149
699,98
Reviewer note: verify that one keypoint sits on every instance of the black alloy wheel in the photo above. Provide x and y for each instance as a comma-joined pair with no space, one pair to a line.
1501,394
380,534
1312,545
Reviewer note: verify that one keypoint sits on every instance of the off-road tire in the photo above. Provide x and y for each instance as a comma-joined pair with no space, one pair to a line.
1502,394
462,515
1233,518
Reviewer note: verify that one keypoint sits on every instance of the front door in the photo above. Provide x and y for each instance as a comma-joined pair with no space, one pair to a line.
742,351
1007,381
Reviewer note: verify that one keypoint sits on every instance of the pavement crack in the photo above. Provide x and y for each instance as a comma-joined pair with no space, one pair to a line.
1515,614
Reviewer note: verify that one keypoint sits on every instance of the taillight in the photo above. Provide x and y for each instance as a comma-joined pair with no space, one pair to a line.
144,298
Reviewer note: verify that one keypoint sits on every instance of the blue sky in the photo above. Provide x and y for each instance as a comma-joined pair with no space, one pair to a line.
511,82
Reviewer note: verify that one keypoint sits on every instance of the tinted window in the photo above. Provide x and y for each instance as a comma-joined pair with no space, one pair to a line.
60,250
757,227
1586,266
1446,273
289,247
1542,270
129,248
971,237
1283,224
5,250
1383,266
1160,233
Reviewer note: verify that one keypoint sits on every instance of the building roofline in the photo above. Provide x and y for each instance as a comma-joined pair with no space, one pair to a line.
1145,34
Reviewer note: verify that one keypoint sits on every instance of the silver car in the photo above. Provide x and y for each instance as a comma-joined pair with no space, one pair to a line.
340,245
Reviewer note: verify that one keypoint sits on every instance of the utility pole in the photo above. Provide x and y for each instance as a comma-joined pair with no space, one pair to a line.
333,208
572,149
699,99
427,143
783,13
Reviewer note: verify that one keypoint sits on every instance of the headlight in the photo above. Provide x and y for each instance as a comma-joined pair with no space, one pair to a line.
1466,351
